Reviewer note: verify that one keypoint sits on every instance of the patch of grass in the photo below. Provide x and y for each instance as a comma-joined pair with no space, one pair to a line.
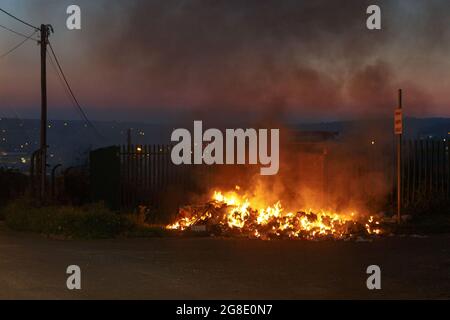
94,221
89,222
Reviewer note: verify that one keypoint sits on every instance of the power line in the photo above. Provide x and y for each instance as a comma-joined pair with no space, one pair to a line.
72,94
75,100
15,32
17,46
61,81
20,20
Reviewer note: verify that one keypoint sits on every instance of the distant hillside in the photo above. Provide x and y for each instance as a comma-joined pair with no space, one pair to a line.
70,141
414,128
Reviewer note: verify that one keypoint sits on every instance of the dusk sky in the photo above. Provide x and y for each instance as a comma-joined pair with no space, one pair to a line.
306,59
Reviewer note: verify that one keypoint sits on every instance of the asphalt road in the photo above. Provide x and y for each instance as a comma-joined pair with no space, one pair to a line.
32,266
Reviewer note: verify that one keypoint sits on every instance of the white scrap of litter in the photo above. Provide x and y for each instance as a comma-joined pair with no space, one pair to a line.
199,228
361,239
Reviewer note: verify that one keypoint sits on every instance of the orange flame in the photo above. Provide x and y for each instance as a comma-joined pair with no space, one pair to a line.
237,213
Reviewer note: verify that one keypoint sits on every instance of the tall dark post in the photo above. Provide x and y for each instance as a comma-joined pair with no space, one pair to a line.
43,139
399,164
129,138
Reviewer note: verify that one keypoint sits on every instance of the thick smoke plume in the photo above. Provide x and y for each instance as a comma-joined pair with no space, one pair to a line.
308,58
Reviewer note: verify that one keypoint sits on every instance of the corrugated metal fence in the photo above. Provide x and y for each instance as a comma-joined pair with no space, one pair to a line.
426,170
148,176
146,170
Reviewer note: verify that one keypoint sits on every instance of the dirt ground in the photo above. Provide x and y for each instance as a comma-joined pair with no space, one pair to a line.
32,266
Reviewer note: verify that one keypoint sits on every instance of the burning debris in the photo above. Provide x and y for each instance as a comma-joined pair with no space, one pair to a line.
233,214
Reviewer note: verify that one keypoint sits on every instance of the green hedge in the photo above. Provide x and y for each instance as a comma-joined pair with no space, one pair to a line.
88,222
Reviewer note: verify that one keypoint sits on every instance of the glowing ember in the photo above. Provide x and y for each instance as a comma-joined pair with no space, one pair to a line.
232,213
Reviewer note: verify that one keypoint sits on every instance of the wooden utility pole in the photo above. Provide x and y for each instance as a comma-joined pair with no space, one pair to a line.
398,131
45,30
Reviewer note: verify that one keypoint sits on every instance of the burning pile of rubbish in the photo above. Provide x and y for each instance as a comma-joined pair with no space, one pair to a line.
233,214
